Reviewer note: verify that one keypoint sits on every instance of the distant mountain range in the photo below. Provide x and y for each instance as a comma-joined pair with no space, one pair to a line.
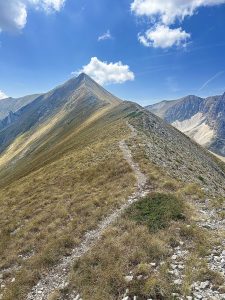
202,119
8,105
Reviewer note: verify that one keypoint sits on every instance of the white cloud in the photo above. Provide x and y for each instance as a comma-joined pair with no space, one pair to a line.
162,14
13,13
105,36
48,5
170,10
163,37
2,95
107,73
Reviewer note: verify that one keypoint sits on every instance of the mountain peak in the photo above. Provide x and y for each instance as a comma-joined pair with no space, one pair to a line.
84,77
91,86
191,97
80,80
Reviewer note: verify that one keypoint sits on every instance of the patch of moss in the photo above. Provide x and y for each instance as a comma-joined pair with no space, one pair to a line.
158,210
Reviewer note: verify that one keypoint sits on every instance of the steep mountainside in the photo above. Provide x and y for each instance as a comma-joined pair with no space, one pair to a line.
13,104
161,108
76,99
201,119
74,168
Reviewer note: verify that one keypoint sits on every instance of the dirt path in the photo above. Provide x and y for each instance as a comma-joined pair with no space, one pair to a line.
58,276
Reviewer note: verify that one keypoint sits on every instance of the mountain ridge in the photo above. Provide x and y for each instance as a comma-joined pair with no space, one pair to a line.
71,183
203,119
10,104
64,97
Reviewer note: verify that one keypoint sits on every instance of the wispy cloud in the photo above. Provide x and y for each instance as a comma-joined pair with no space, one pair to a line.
105,36
211,79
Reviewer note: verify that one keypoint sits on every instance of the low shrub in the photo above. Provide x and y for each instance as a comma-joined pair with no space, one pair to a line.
158,210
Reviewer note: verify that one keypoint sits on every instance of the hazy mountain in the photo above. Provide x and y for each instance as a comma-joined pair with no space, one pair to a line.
8,105
201,119
75,165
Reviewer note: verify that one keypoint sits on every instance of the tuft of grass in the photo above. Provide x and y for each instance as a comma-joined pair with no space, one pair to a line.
158,210
218,202
198,270
24,280
193,190
56,295
157,288
170,185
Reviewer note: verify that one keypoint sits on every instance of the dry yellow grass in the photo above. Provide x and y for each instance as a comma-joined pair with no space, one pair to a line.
124,248
129,246
44,214
64,189
23,142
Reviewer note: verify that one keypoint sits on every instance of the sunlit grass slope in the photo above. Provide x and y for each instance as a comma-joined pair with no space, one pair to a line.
56,194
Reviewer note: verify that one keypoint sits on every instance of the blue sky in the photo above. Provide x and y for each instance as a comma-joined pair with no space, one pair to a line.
162,56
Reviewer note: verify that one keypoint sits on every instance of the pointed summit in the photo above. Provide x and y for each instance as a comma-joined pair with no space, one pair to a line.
86,79
78,81
89,86
82,77
75,81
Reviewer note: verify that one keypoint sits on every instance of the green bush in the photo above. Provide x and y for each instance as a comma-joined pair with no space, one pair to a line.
201,178
134,114
158,210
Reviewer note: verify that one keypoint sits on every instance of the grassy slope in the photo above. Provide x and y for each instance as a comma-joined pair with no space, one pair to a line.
48,203
133,246
57,193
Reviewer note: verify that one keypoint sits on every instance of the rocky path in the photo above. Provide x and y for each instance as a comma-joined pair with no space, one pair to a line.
209,219
57,278
205,290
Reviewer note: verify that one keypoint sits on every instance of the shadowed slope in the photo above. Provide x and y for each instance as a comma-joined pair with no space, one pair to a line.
13,104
